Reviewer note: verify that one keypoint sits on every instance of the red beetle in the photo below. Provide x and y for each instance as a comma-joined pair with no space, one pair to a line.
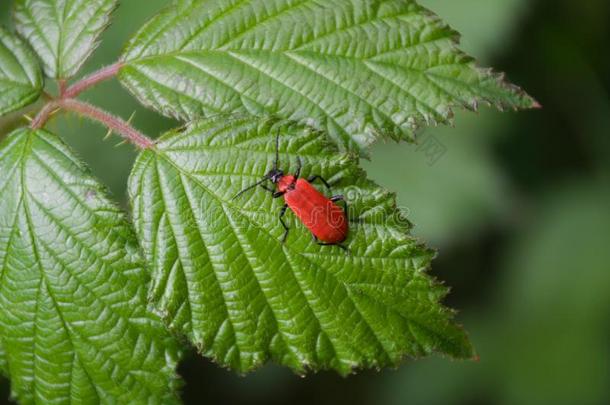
321,215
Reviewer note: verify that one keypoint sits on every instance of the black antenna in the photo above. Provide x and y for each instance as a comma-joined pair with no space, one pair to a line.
277,163
251,187
277,150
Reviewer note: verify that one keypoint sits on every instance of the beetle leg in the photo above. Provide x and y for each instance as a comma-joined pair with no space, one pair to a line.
336,198
278,194
286,229
269,189
297,174
318,177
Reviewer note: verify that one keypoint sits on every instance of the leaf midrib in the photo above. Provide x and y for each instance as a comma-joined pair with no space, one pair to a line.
365,62
43,280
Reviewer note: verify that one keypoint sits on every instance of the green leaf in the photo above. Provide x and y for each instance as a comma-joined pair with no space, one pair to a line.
74,323
358,69
20,76
222,276
63,32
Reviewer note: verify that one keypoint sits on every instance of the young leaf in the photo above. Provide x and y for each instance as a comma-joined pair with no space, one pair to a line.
63,32
358,69
222,276
20,76
74,324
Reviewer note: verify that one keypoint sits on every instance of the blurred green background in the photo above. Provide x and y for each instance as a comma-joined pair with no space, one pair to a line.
518,205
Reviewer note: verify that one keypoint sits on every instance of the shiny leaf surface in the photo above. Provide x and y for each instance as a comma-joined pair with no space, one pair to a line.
222,276
63,32
358,69
20,75
74,323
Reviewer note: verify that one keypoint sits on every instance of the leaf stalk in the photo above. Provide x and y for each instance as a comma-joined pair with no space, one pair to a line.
113,123
91,80
66,101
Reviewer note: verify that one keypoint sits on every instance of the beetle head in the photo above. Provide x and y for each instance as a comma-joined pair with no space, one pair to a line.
275,175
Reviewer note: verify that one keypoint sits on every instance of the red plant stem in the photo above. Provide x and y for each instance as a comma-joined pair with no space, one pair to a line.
67,102
43,115
116,124
113,123
62,84
91,80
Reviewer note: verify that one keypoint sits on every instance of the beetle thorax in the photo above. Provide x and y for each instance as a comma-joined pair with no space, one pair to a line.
285,183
